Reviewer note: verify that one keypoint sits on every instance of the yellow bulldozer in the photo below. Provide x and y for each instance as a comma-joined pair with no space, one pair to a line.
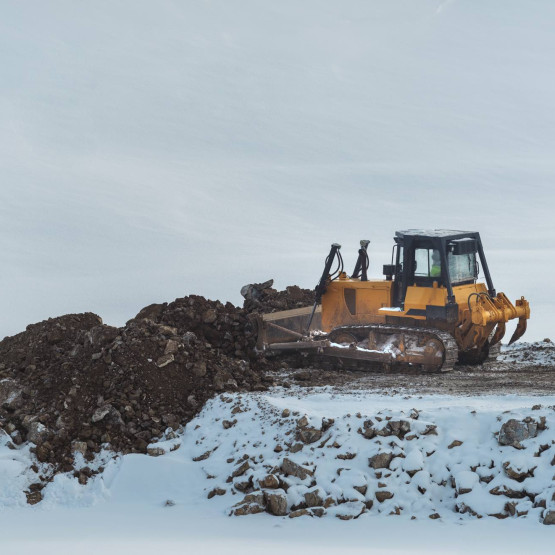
428,312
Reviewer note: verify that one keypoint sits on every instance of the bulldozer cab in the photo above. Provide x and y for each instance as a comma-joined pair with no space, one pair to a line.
436,258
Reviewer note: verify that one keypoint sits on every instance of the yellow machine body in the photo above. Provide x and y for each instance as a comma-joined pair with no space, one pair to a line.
355,302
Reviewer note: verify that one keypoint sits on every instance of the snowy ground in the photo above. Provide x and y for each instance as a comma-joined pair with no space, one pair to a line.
127,506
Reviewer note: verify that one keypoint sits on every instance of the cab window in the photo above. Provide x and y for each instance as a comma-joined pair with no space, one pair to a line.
428,263
462,267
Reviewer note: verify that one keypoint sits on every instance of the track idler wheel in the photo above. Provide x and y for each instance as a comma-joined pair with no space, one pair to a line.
343,338
433,354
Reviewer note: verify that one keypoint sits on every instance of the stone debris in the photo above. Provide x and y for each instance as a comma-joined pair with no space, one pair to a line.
429,473
269,482
216,491
276,502
514,431
315,498
381,460
293,469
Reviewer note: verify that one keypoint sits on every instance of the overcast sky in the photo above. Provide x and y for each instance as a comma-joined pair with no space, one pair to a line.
151,150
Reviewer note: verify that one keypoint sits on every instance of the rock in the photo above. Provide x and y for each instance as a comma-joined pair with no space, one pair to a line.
350,510
508,492
346,456
276,502
221,378
241,469
216,491
309,435
327,423
37,433
243,485
517,474
399,428
228,424
29,419
101,413
278,448
318,511
255,497
302,422
172,347
293,469
430,430
254,291
381,460
465,481
33,497
549,517
514,431
455,443
296,447
10,394
248,509
155,451
299,512
382,495
285,413
16,437
164,360
203,457
79,447
269,482
210,316
367,430
314,498
199,369
434,516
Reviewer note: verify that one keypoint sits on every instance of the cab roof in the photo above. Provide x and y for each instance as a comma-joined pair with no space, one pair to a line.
442,233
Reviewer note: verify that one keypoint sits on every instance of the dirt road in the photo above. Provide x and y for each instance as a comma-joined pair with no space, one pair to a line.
527,369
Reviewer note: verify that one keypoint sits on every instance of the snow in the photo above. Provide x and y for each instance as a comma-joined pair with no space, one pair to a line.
541,353
143,502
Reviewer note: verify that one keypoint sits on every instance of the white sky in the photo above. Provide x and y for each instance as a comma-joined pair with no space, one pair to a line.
151,150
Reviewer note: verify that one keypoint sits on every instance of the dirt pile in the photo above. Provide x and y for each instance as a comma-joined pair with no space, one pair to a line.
262,297
75,384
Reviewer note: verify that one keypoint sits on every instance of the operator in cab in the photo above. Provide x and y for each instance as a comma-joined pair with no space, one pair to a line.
435,268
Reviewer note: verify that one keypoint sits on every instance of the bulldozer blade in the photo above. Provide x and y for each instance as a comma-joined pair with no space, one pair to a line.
519,332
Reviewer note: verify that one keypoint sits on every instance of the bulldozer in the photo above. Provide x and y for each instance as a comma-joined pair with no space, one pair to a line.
429,312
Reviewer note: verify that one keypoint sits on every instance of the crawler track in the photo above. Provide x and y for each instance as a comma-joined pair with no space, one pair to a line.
412,357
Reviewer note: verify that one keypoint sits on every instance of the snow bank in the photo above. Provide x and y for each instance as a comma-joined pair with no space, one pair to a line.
375,456
328,455
423,466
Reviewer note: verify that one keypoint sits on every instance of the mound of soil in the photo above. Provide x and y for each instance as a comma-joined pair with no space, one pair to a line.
73,383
